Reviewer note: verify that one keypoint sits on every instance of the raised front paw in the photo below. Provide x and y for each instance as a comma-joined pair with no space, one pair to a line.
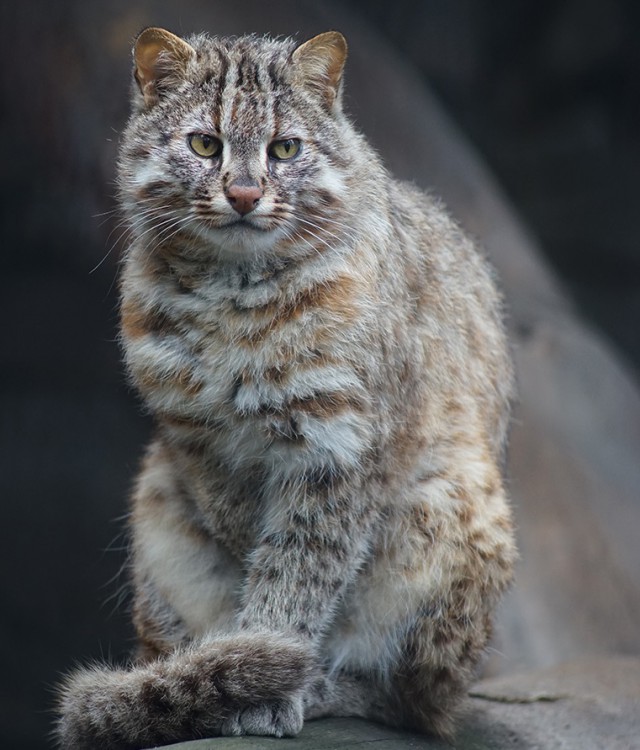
282,718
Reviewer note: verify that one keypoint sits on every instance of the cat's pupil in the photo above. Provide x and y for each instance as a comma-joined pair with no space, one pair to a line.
285,149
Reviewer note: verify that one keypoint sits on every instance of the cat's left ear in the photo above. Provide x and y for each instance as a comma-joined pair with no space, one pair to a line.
319,63
160,59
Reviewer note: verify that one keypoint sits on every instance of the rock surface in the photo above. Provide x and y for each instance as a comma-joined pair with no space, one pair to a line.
586,705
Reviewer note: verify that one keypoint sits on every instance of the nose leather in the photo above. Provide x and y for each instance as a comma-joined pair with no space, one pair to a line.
243,198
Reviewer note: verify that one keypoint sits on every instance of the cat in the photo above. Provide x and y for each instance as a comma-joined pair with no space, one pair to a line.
320,525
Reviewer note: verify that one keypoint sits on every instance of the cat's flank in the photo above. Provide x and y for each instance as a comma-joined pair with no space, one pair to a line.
320,525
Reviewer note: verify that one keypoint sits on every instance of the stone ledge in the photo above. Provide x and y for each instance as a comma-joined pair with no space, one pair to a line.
328,734
586,705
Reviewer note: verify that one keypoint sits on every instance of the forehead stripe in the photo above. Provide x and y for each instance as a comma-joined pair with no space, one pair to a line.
240,71
273,75
222,84
257,78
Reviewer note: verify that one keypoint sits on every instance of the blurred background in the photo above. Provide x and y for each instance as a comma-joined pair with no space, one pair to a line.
547,92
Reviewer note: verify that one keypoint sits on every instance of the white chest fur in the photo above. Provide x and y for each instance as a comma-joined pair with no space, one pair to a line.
264,360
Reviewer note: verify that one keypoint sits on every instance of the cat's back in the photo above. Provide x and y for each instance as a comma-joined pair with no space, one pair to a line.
452,308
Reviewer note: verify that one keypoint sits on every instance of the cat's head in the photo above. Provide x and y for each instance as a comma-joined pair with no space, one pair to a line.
236,144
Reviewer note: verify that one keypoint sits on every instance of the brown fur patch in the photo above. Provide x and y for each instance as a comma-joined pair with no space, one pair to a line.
157,189
465,513
327,405
150,499
276,375
138,322
196,532
335,297
173,420
185,380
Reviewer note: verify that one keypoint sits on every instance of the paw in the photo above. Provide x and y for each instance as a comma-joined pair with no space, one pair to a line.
282,718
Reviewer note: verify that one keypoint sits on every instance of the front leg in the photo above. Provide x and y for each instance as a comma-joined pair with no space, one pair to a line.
310,550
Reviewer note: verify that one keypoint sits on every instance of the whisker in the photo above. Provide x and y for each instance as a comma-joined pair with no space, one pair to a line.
159,227
172,227
315,225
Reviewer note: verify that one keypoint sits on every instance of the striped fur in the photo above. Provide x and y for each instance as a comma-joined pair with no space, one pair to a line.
320,524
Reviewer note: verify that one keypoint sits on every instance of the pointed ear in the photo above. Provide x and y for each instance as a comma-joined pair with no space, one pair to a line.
159,57
319,63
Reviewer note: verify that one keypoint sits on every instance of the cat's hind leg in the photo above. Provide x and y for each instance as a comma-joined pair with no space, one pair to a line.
456,561
185,583
418,621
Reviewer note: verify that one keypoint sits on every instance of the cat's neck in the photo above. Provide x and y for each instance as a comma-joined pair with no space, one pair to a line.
246,282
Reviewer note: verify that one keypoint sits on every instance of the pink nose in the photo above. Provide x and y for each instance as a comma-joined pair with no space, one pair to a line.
244,198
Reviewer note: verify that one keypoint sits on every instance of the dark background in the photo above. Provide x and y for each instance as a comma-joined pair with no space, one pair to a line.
547,91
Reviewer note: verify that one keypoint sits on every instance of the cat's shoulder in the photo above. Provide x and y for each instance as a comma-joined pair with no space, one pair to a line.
424,222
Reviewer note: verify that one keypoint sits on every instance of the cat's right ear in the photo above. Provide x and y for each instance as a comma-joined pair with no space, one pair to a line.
319,63
160,58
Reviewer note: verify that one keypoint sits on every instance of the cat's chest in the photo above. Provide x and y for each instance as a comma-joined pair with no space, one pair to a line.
241,330
257,372
236,347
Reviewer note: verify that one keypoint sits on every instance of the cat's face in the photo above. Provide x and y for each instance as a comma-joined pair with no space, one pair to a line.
237,145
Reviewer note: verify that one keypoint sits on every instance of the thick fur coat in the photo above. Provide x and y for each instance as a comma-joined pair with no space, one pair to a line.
320,524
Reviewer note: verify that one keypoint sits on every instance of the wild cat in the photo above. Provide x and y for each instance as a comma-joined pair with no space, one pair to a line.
320,524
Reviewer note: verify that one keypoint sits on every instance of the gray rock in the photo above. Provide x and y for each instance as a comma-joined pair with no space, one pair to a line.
328,734
592,704
587,705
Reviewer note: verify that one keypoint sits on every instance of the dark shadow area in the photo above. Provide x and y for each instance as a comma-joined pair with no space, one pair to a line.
549,92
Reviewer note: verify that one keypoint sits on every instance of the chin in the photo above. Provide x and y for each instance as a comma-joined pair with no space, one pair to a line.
243,240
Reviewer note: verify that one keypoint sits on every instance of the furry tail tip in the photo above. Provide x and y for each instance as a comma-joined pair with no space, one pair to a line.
246,684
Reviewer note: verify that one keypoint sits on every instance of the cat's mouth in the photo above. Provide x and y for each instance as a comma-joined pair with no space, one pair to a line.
241,233
244,235
244,223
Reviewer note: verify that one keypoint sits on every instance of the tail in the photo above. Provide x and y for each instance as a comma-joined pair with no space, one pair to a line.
199,691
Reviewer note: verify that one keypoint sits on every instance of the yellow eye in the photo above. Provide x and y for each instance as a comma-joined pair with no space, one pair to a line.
283,150
205,145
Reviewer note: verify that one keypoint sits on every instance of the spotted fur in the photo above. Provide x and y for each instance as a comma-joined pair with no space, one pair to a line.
320,523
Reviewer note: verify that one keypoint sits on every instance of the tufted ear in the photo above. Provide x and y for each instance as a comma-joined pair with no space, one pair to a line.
319,64
160,58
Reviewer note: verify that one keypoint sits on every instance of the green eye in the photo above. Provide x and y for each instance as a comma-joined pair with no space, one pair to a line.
205,145
283,150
